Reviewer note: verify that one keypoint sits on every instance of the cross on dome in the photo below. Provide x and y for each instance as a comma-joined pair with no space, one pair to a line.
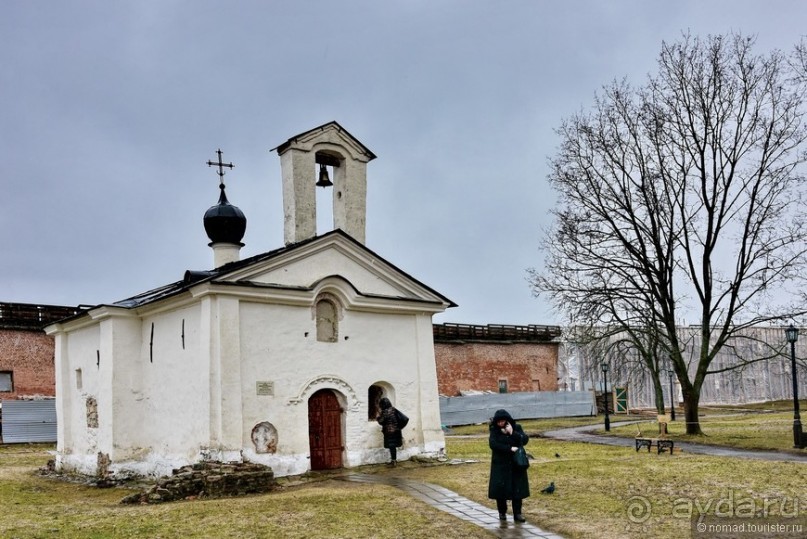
221,166
225,224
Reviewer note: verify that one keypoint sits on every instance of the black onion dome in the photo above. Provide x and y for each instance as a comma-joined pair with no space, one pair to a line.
225,223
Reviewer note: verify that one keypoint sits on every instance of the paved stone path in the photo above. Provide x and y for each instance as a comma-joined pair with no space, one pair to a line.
454,504
470,511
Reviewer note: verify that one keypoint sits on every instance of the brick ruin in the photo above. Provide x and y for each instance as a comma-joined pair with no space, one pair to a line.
208,480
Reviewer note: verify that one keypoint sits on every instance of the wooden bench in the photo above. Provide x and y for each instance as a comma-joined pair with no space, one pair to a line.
662,443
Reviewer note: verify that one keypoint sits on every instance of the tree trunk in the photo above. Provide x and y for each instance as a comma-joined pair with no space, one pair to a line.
659,391
692,399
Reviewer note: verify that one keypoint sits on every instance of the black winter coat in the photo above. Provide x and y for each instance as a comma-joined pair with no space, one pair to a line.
388,419
506,481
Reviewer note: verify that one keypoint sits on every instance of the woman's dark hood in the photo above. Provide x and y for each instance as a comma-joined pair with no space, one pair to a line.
502,414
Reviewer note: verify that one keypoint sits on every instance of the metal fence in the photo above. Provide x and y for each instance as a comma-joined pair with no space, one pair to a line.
28,421
472,409
756,381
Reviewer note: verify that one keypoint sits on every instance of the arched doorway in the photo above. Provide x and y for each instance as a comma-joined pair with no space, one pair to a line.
325,430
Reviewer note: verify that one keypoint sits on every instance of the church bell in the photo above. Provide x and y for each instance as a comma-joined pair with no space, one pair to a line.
324,180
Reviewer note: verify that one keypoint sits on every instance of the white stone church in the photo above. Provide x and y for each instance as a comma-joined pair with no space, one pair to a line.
278,359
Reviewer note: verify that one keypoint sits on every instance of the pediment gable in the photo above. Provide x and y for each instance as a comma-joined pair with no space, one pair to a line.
330,259
329,133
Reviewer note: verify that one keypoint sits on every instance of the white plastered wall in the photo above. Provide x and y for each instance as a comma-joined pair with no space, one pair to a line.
162,405
76,358
304,270
161,393
279,346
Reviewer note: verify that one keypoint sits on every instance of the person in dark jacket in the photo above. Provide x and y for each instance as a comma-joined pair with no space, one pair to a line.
390,421
506,481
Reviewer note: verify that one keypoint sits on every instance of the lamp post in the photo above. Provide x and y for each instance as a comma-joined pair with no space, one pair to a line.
672,395
605,394
792,335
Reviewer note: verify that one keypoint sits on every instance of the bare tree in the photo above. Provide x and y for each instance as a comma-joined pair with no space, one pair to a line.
799,60
683,198
630,352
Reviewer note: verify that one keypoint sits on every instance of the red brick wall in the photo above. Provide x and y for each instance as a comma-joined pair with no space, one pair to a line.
29,356
479,366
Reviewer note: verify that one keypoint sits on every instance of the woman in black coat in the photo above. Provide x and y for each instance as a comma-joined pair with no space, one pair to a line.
506,481
391,420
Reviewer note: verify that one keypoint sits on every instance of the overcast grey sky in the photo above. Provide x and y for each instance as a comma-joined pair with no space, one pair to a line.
109,111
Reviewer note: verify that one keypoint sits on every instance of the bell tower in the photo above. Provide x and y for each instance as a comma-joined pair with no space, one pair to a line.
304,163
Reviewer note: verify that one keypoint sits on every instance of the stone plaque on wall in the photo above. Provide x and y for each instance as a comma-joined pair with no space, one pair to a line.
265,388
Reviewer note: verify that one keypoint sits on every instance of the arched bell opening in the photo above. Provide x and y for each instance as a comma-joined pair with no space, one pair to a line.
328,165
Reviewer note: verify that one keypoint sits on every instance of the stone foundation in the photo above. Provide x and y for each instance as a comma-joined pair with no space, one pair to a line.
208,479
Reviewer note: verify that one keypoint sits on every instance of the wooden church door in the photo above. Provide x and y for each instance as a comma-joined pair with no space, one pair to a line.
325,430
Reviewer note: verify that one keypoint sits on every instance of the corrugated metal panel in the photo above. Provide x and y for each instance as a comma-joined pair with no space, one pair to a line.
29,421
472,409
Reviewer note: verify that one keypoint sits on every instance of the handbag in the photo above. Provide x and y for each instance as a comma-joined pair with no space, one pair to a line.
520,459
402,419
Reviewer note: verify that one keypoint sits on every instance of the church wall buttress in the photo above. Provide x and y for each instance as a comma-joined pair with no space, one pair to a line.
105,392
64,432
428,399
231,420
225,392
120,370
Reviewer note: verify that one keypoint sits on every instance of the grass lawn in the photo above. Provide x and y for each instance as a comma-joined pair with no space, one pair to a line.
767,426
612,492
602,492
32,506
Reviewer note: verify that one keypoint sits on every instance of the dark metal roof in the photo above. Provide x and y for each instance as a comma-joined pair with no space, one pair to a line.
494,332
151,295
33,316
193,278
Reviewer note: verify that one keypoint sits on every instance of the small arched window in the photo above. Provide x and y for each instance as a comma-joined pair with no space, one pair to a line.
327,321
374,394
